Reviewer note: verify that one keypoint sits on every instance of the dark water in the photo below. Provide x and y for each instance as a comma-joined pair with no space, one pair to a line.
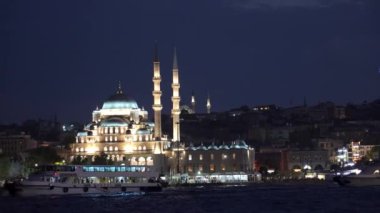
256,198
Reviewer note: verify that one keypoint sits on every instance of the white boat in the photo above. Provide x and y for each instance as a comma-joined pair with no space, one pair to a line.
88,179
362,176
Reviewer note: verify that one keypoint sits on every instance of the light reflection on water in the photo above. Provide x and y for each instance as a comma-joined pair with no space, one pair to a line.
257,198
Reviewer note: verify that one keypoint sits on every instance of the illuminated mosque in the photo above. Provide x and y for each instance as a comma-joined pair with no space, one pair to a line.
121,131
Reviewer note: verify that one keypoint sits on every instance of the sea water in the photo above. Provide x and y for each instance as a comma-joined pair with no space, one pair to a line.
233,198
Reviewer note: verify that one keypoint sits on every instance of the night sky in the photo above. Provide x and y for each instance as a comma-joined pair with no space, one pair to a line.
66,57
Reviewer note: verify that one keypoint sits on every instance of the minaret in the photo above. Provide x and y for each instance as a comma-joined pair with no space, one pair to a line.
176,99
193,101
208,104
157,107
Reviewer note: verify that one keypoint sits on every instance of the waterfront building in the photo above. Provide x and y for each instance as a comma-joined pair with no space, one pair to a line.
357,151
331,146
214,163
308,160
11,144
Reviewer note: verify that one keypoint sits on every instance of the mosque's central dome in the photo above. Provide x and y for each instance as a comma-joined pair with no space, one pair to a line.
119,101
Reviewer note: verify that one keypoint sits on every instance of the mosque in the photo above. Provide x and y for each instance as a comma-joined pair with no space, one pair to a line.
122,132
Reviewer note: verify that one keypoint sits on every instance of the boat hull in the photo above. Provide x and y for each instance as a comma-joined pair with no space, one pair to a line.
358,180
33,190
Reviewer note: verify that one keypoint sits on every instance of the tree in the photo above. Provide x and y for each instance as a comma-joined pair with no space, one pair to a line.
334,167
102,160
374,153
68,139
77,160
263,170
43,155
5,165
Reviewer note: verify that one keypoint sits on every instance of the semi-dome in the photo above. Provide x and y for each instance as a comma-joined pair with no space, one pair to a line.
223,146
213,146
143,131
114,121
120,101
202,147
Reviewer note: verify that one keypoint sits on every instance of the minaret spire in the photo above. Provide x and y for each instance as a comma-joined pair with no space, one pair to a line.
193,101
155,57
175,63
157,107
208,104
176,100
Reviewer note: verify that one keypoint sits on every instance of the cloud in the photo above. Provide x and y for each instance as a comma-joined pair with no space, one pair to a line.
276,4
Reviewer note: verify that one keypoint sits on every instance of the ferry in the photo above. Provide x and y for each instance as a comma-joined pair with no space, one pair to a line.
368,175
88,179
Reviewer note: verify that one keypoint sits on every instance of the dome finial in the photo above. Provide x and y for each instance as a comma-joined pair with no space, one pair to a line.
119,90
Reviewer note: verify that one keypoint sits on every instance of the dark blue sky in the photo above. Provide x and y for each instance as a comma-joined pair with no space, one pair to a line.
66,57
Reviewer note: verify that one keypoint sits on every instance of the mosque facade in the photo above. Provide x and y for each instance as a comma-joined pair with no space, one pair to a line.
121,131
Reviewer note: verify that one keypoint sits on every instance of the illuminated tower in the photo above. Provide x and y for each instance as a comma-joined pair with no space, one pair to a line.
157,107
176,99
193,101
208,104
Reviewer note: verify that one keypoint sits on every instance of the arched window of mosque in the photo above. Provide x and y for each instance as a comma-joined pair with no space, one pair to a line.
200,157
133,161
140,138
116,130
190,157
111,139
139,148
233,156
212,156
76,139
144,147
223,167
106,130
142,161
77,149
116,148
81,149
110,148
106,138
149,161
82,140
116,138
105,149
